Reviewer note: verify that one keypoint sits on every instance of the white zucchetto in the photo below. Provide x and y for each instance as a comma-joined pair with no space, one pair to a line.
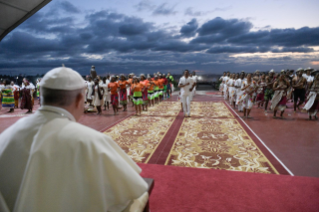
62,78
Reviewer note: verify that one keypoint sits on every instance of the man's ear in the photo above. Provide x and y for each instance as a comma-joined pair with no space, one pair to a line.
79,100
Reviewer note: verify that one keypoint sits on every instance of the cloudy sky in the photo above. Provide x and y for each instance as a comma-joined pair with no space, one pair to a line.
144,36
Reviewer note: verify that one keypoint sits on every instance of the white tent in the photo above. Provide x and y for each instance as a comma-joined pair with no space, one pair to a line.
15,12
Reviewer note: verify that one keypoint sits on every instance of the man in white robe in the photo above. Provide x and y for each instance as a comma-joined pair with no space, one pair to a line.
186,84
194,77
238,84
225,80
49,162
106,94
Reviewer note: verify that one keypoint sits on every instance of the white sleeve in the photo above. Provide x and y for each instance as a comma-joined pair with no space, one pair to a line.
310,79
192,81
305,76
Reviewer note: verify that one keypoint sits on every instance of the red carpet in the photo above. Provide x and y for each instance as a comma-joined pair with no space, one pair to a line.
192,189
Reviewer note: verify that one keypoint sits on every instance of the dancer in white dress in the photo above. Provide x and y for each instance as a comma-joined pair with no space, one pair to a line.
221,86
106,94
246,98
238,83
89,90
97,96
225,80
231,90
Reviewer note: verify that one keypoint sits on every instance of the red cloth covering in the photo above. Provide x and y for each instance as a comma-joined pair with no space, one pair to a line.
260,97
123,95
283,100
114,99
181,189
165,81
16,95
315,106
145,95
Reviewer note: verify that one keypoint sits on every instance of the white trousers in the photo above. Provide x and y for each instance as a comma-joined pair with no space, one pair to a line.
186,101
240,107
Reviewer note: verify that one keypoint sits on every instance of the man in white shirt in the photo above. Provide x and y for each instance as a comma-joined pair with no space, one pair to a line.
307,75
49,162
186,84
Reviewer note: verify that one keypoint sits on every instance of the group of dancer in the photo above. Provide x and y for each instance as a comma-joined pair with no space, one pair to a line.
11,94
244,90
143,91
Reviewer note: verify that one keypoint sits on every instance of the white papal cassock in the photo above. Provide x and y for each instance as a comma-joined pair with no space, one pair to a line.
49,162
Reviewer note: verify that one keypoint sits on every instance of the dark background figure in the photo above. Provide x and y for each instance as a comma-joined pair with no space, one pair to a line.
26,101
93,72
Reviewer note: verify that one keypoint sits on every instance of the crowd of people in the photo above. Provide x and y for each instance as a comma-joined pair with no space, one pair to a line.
111,91
245,90
12,94
119,91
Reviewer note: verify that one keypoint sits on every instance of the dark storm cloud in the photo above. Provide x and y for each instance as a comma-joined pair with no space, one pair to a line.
225,27
281,37
68,7
189,29
128,43
133,29
255,49
39,23
236,49
236,32
293,49
177,46
21,43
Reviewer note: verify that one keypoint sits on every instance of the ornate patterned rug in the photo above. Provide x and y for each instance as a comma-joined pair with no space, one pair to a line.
165,108
217,144
139,136
210,138
210,109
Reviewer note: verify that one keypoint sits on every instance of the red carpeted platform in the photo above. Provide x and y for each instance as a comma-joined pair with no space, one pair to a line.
191,189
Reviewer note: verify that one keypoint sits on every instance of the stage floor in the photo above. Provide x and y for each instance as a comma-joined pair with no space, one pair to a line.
285,146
